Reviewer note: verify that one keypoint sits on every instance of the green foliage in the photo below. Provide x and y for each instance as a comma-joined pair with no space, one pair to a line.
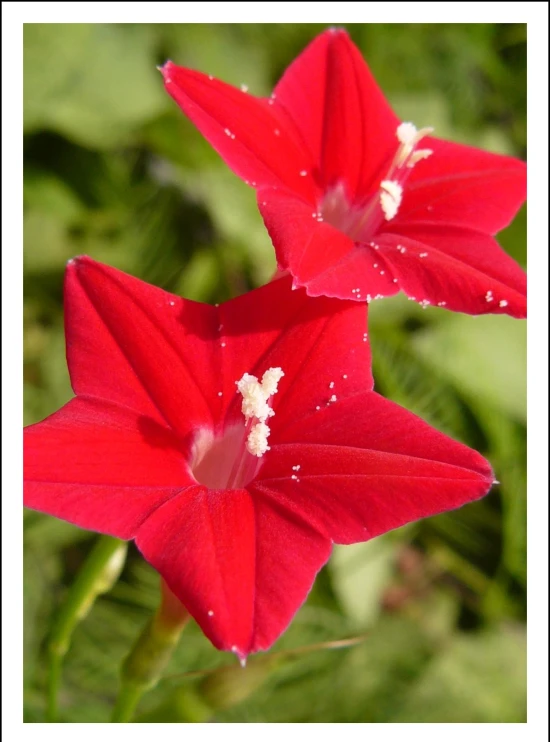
114,170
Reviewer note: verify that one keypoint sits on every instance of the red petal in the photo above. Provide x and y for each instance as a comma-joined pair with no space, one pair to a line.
277,327
463,186
321,258
139,346
463,270
101,466
241,568
367,466
251,138
340,111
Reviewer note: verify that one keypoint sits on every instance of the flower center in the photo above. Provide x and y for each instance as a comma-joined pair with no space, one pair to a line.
232,460
362,221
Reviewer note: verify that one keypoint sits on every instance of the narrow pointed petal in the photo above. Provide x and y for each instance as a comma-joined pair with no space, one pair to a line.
158,346
290,552
463,270
241,567
116,466
244,130
463,186
367,466
336,104
206,555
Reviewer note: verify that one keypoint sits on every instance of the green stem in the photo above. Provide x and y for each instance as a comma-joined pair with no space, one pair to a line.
97,576
143,667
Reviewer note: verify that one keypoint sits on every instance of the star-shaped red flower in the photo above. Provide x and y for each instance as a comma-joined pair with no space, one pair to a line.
237,519
358,204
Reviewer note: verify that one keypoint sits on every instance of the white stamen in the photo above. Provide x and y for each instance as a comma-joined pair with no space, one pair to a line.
270,381
407,132
256,442
409,136
420,154
390,198
255,405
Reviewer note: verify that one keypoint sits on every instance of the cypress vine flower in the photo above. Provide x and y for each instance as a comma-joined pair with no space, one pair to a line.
359,204
234,443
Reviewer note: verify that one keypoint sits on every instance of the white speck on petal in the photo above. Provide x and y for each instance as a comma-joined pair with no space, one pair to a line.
223,345
277,132
172,303
344,376
375,265
296,468
395,280
503,303
244,88
210,613
331,385
382,273
303,173
334,398
489,296
220,394
423,255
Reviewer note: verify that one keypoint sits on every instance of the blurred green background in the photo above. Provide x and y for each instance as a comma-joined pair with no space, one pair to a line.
112,169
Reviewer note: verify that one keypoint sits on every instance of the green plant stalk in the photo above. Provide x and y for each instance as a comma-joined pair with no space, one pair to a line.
143,667
99,573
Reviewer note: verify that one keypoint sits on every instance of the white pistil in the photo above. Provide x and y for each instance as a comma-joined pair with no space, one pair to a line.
390,198
255,406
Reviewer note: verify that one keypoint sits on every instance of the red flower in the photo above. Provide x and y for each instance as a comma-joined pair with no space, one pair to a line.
237,510
359,205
